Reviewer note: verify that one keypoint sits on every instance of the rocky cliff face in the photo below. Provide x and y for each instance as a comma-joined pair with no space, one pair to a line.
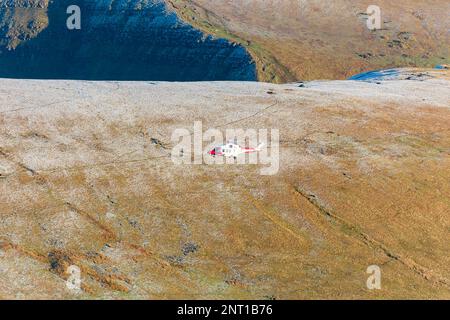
118,40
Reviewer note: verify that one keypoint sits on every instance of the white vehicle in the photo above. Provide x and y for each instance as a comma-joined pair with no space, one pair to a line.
232,150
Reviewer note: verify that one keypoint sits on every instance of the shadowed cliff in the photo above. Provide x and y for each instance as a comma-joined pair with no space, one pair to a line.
118,40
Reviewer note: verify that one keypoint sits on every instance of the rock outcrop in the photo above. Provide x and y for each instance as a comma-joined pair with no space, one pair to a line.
21,21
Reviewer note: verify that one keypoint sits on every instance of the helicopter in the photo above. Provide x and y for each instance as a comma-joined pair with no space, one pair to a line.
232,150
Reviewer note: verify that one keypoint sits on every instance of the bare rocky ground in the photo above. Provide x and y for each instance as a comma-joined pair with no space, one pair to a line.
86,180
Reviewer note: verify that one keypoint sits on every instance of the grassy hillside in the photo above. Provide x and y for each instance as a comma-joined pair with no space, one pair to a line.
306,40
86,180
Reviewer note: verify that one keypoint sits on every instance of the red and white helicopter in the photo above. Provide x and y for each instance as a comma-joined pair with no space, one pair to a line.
232,149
